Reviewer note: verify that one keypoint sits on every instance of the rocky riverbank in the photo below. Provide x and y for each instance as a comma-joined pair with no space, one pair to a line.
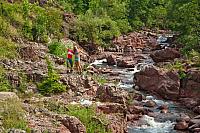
111,94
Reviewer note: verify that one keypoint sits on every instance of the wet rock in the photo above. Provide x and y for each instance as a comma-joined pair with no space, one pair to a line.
8,95
108,108
92,70
73,124
138,97
164,106
111,94
165,55
182,125
164,83
197,109
126,62
150,103
194,121
111,60
132,117
183,117
197,117
189,102
132,109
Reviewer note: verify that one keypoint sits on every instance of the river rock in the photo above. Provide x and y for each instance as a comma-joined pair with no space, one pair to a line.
182,125
189,102
164,106
127,62
194,121
132,109
73,124
192,84
110,94
197,109
164,83
165,55
150,103
111,59
183,117
132,117
138,97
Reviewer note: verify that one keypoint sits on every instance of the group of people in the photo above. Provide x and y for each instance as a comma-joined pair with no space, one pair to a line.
76,54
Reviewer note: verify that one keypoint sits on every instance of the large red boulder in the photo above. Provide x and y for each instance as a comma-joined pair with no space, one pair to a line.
192,84
165,55
164,83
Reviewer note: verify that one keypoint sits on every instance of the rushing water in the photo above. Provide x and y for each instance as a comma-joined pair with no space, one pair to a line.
162,123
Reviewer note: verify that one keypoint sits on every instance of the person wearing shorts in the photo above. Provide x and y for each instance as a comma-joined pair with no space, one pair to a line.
77,60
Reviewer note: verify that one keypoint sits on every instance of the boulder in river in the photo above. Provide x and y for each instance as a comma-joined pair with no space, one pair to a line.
150,103
111,60
165,55
182,125
164,83
111,94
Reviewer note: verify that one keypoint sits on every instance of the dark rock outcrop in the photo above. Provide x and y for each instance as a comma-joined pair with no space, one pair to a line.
165,55
110,94
111,60
164,83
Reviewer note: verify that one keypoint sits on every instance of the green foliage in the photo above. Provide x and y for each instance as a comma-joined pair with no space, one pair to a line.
51,84
57,48
13,115
4,84
98,21
95,30
184,17
8,49
87,116
99,79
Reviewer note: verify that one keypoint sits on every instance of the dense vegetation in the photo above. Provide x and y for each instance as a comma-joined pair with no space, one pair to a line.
97,21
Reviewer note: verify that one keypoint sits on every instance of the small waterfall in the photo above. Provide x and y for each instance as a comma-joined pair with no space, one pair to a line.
147,124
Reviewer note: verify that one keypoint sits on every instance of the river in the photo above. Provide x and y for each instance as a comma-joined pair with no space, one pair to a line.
160,123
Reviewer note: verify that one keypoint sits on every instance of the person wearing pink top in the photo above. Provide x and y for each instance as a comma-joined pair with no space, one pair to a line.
69,58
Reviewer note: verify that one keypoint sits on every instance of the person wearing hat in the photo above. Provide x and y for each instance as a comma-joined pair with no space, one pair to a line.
77,60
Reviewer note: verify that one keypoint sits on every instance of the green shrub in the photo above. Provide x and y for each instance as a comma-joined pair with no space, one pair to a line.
57,48
51,84
99,79
87,116
13,115
8,49
4,83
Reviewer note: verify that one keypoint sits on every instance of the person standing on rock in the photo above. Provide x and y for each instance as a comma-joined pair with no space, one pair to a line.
69,58
77,60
